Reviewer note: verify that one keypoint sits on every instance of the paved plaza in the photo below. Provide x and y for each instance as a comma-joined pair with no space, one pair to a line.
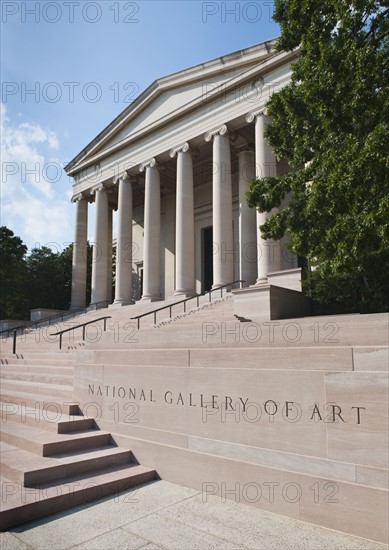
165,515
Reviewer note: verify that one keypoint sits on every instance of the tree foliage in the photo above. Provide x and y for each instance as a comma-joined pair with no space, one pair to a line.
12,275
49,278
331,124
41,279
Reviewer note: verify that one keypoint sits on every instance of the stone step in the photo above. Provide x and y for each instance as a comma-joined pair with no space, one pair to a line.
66,404
298,358
37,388
38,369
51,419
20,505
48,378
331,358
347,330
41,339
46,443
40,360
28,468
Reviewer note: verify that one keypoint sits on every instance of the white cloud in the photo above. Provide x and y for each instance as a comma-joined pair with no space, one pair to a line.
34,188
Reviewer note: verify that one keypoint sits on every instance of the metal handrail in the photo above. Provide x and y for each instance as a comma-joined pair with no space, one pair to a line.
36,324
13,329
83,325
184,301
57,316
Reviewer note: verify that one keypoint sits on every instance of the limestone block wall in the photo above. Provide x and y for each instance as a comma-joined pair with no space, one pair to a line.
303,436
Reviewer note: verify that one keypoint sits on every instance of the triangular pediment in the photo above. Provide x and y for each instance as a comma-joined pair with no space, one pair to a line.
169,96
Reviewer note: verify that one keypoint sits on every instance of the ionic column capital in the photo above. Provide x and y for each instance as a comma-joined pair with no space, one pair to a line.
79,197
152,163
184,148
254,114
100,187
220,131
125,176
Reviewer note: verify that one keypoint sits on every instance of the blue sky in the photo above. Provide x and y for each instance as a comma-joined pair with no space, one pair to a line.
70,67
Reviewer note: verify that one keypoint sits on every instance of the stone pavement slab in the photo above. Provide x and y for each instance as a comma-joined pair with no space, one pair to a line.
162,515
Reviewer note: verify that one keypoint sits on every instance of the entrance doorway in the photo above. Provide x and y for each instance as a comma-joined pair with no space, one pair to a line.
207,258
139,282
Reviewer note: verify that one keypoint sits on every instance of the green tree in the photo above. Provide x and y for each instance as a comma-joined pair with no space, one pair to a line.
331,124
49,281
13,304
65,261
45,278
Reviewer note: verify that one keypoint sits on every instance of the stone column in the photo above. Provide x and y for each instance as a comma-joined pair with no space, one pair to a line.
185,260
80,253
152,233
100,248
269,253
109,255
123,284
223,257
247,220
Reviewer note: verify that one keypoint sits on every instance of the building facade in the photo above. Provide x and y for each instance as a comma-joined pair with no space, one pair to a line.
175,165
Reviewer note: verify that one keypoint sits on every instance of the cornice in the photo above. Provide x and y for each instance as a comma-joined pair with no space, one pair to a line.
271,62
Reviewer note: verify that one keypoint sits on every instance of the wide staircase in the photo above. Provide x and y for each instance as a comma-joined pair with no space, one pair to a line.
52,456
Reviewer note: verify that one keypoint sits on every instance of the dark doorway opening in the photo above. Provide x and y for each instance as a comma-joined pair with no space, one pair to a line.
207,258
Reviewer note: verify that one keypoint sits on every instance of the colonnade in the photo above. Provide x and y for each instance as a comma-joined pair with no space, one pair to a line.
257,257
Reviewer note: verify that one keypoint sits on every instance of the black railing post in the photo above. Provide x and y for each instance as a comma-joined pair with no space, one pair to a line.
105,324
170,312
155,317
60,341
83,332
14,342
184,307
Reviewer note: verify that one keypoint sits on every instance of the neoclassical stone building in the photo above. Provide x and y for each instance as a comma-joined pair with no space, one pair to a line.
176,165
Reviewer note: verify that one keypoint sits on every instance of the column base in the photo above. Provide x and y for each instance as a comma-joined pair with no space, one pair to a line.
99,305
77,308
261,281
121,303
182,294
149,298
216,286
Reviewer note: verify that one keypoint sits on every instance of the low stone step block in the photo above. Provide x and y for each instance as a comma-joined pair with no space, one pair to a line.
45,443
52,418
21,504
29,469
65,404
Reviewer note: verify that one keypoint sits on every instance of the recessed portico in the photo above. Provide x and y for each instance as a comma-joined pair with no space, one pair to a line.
175,164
